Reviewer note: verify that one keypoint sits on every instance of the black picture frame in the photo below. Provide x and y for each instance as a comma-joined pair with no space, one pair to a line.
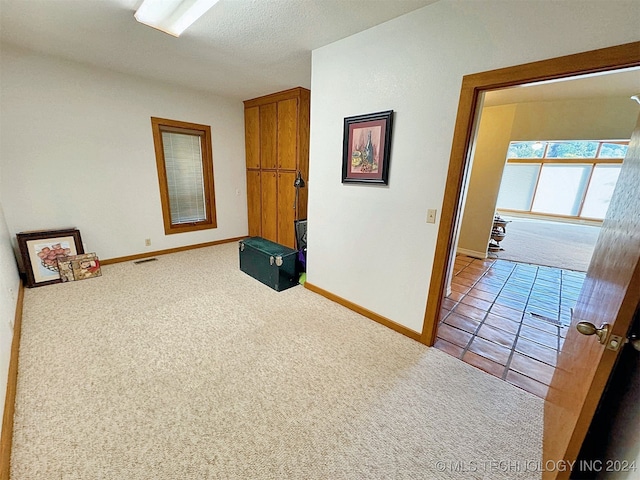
39,251
366,148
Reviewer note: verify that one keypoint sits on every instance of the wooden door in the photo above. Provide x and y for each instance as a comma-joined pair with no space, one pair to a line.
268,135
287,133
254,203
610,295
286,209
252,136
269,205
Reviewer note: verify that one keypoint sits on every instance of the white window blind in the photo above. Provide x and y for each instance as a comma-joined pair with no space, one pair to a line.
185,179
601,187
518,185
561,188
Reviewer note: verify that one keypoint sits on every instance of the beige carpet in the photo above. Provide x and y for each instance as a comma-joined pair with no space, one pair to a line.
552,244
186,368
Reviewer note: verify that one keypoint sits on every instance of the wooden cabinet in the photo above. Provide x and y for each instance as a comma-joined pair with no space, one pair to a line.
269,205
268,135
277,148
287,133
252,136
254,187
286,208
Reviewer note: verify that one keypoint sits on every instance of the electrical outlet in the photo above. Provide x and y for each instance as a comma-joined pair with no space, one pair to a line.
431,215
147,242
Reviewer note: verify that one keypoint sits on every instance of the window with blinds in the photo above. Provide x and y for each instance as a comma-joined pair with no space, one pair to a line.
185,174
573,179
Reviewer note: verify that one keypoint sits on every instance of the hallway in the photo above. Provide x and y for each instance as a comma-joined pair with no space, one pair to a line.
508,319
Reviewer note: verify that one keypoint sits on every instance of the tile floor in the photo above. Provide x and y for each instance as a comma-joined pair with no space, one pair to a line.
508,319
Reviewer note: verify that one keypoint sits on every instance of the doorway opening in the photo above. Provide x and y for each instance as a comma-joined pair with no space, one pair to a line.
508,318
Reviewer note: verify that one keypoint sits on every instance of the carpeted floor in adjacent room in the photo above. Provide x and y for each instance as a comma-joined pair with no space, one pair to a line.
186,368
557,244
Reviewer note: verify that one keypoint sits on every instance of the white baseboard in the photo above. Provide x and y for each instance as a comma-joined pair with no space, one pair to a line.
471,253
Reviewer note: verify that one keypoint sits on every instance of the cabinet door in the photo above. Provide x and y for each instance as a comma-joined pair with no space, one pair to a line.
286,210
287,133
268,135
252,136
254,201
269,184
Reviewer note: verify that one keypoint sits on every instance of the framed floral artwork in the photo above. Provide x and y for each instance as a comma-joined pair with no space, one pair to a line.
40,251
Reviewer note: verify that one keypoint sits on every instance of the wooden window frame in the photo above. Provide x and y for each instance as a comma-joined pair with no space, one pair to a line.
159,125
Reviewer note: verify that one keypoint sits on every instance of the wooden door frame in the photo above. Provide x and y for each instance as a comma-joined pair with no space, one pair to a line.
594,61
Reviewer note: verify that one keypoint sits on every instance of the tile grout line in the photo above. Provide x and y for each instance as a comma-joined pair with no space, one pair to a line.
475,334
537,276
515,342
557,329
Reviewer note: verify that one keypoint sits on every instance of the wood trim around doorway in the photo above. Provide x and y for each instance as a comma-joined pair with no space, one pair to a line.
601,60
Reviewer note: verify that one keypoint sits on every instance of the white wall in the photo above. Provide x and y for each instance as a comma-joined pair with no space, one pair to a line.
371,245
604,118
492,144
76,149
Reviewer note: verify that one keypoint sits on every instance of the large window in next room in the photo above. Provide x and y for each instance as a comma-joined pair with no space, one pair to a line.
570,179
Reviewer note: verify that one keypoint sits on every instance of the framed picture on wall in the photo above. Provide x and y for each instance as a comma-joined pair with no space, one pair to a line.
366,148
40,251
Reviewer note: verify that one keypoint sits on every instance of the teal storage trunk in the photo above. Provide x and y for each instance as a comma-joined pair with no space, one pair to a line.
269,262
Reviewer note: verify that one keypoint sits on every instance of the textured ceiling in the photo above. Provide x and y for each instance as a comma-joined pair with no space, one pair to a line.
240,48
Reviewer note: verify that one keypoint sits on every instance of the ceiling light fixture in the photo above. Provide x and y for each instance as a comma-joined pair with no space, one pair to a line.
172,16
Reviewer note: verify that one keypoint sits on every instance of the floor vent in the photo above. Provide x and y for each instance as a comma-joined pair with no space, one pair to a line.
552,321
138,262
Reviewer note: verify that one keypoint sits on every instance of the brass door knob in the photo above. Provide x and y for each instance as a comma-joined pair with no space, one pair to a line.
588,328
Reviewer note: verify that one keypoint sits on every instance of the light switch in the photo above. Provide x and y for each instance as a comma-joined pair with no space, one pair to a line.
431,215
